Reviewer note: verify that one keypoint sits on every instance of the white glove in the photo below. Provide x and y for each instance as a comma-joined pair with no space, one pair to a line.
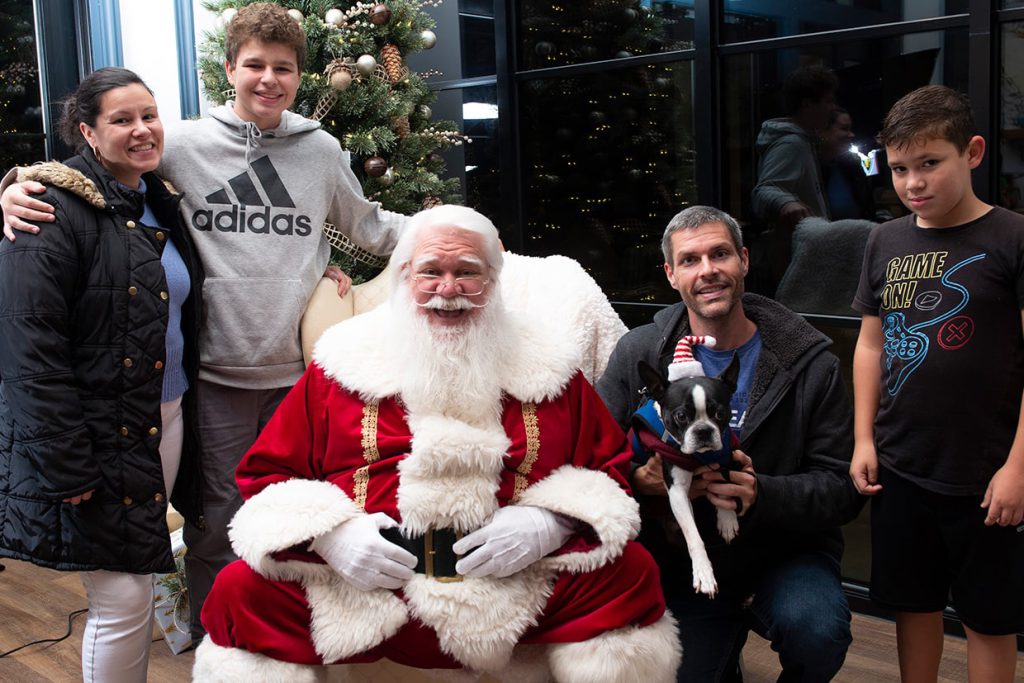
356,550
516,537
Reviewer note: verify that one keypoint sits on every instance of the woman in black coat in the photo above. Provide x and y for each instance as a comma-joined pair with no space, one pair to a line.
98,319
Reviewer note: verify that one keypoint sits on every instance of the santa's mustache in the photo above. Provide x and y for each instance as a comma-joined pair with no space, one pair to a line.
455,303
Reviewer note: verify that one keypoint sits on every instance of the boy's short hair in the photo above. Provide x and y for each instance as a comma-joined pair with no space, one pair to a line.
813,82
267,23
933,112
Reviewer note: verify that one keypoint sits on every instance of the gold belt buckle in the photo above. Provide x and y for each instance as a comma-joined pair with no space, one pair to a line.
428,558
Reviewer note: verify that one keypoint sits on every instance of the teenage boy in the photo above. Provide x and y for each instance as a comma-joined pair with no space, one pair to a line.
938,379
258,182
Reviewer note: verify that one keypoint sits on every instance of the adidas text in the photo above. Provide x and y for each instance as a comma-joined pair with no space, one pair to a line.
237,219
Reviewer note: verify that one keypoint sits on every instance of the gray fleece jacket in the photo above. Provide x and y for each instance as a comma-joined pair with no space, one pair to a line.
798,432
788,171
256,202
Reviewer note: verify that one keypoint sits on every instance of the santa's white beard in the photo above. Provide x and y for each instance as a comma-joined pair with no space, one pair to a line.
451,370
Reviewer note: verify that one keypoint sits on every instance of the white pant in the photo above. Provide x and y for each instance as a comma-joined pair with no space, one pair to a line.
119,625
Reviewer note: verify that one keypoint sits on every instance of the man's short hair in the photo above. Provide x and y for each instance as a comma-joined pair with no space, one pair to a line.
461,217
933,112
813,82
267,23
694,217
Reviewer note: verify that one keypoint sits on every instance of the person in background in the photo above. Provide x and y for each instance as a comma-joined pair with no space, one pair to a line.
98,358
847,189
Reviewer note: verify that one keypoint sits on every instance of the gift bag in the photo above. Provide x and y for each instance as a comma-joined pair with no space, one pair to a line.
170,596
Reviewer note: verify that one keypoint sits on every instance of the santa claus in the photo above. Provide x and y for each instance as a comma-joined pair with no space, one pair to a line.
442,488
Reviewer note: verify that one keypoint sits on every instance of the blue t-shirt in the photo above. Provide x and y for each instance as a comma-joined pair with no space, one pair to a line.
715,362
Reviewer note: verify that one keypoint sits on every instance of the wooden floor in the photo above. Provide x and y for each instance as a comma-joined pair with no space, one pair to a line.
34,604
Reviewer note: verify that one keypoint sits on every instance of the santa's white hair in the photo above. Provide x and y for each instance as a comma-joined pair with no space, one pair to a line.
450,370
447,215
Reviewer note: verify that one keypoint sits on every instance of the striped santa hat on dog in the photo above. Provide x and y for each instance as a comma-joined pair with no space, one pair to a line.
683,363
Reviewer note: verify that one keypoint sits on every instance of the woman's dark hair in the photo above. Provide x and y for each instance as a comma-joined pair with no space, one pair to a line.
83,105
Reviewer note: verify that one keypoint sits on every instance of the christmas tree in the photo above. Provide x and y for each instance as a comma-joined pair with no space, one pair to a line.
21,117
355,83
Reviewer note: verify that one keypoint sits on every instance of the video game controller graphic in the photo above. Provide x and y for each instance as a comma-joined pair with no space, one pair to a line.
906,347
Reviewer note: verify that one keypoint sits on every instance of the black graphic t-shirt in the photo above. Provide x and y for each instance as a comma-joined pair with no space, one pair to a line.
952,365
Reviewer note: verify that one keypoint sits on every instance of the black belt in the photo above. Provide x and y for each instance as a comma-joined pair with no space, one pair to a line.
433,551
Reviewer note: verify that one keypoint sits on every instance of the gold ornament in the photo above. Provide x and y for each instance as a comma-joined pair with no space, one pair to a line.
393,63
388,178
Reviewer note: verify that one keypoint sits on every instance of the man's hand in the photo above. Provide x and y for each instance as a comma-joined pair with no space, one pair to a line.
516,537
864,468
1004,498
356,550
792,213
338,275
734,490
16,205
649,478
75,500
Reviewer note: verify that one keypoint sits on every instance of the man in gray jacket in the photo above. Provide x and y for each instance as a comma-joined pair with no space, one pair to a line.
781,575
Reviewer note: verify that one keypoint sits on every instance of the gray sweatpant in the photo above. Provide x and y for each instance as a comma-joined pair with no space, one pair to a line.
230,419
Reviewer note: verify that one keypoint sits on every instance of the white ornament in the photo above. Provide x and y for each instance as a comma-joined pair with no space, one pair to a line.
334,16
429,39
296,15
341,79
425,111
228,14
366,65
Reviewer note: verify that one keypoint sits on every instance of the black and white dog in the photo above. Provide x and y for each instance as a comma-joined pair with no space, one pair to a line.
693,411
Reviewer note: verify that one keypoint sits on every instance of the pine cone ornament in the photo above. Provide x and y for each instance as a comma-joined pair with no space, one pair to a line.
432,201
401,125
392,59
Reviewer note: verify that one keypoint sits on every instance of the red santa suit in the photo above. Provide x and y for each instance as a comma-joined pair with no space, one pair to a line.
343,444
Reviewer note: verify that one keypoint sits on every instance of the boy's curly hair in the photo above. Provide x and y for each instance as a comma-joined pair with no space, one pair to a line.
267,23
933,112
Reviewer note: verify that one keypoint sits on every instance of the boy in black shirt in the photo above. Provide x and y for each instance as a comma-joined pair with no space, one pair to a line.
938,380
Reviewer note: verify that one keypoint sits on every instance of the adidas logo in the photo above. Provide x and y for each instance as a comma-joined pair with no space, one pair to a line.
269,193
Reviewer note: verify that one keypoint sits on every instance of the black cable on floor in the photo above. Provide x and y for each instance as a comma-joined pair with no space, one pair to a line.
47,640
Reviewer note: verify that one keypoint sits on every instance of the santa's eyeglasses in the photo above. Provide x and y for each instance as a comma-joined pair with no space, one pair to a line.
428,283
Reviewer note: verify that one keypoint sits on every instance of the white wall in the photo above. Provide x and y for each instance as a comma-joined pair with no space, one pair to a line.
149,45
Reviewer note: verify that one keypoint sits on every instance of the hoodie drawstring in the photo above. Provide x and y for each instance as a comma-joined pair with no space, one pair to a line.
252,138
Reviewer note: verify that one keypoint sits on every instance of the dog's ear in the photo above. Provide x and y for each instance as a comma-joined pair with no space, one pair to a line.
656,383
731,375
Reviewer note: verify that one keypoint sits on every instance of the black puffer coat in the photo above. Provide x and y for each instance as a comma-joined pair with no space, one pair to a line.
83,319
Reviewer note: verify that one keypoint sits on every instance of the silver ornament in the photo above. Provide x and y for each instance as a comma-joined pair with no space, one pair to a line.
425,111
366,65
296,15
429,39
334,16
388,178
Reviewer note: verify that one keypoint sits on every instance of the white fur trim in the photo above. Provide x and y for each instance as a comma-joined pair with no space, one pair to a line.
216,664
690,368
346,621
284,515
553,335
651,654
479,621
592,497
451,475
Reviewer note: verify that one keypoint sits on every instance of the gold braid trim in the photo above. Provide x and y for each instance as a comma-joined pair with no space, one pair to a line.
532,450
368,432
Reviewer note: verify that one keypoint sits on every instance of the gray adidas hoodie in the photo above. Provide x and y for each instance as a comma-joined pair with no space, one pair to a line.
256,202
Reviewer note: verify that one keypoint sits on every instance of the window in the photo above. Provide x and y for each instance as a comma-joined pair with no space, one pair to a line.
21,115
